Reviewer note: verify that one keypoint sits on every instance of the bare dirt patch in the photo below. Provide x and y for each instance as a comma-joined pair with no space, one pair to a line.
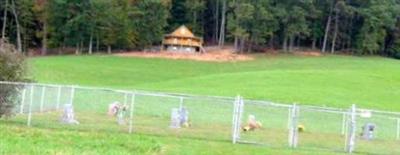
213,54
314,53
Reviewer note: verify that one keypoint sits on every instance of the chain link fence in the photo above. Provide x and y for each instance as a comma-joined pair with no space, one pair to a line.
228,119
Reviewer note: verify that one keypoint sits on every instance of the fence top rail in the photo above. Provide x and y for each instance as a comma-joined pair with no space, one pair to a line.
380,112
186,96
258,102
65,86
323,108
135,91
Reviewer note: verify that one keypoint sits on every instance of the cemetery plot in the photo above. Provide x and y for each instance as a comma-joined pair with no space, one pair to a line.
233,120
183,116
262,123
377,133
321,128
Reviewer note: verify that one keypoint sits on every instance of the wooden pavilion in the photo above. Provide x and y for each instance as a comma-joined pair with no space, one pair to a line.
182,40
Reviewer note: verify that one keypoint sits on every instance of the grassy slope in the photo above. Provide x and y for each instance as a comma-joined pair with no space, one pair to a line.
332,80
337,81
20,140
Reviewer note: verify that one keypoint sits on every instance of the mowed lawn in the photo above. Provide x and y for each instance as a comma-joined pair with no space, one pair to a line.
22,140
337,81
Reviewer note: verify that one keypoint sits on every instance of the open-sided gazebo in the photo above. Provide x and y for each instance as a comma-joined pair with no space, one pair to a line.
182,40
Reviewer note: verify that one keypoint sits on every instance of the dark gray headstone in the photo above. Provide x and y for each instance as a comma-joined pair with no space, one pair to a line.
368,131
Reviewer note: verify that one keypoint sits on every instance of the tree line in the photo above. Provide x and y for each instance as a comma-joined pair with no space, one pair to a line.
352,26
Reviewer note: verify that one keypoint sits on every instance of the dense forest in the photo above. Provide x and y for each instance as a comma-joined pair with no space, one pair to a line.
86,26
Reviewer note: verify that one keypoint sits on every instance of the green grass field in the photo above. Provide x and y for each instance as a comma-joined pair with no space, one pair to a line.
337,81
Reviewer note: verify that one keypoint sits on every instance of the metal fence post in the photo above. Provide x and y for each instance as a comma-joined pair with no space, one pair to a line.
351,136
289,118
21,109
238,105
72,95
234,119
30,106
126,99
181,102
398,129
58,97
290,135
131,113
241,109
42,98
343,124
293,131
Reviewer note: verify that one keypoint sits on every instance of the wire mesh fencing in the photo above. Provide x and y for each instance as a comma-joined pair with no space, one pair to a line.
321,128
206,118
227,119
263,123
311,127
377,132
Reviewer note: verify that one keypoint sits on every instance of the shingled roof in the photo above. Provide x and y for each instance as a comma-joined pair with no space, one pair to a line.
183,32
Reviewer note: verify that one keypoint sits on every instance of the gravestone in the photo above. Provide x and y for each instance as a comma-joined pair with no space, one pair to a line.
175,118
121,115
179,118
69,116
368,131
184,116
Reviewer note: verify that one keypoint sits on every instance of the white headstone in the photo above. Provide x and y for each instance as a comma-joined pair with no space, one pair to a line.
179,117
184,116
69,115
175,118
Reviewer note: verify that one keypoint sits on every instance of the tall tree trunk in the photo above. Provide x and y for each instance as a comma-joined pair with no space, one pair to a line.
250,46
327,28
350,33
109,49
202,18
3,31
44,39
242,40
223,20
90,44
216,34
291,42
271,41
81,48
60,50
314,43
344,39
236,44
336,32
77,49
19,42
194,22
24,42
97,43
285,40
319,41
